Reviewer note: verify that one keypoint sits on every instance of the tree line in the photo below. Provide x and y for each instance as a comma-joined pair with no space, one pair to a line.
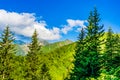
95,55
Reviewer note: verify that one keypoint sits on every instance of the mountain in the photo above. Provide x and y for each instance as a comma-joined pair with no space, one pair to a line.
19,42
20,50
46,47
51,47
43,42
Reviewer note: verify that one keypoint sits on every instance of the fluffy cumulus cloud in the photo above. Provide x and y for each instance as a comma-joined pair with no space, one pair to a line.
73,23
25,24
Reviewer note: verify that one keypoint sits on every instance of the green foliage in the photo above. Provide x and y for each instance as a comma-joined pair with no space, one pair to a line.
6,54
51,47
19,68
87,60
112,54
110,44
45,73
79,64
90,58
93,44
32,57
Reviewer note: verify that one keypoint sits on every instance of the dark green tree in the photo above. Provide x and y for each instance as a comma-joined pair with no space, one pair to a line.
94,41
87,56
112,53
7,50
109,48
116,56
117,44
32,57
77,72
45,72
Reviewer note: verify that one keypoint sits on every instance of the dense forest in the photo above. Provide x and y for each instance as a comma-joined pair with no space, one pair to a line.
94,56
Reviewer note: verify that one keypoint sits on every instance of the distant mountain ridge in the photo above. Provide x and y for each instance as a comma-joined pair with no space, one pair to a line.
19,42
53,46
46,47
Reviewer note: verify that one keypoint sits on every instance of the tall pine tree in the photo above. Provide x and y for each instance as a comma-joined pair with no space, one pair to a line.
112,53
7,51
93,43
32,57
87,58
77,72
109,48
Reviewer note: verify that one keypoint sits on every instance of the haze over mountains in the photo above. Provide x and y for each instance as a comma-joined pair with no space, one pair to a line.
22,47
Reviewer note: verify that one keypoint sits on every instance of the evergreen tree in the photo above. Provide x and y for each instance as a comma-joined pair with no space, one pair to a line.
93,44
117,44
45,73
109,48
7,51
87,56
116,56
79,56
111,56
32,57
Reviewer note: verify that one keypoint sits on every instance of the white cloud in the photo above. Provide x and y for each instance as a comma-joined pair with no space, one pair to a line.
73,23
25,24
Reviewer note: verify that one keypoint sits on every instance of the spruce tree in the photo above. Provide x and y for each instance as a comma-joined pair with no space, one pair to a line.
32,57
112,51
87,56
45,72
116,56
109,48
93,43
117,44
78,69
7,51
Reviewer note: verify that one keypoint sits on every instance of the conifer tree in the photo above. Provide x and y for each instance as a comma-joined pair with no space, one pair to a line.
93,43
109,48
7,51
116,56
117,44
45,73
76,73
87,57
112,50
32,57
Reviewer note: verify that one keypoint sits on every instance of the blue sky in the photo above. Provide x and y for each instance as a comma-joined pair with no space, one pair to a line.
55,15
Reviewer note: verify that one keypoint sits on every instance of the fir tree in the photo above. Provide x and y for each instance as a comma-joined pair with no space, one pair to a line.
109,47
93,43
111,56
32,57
116,56
87,59
7,51
45,73
117,44
78,68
